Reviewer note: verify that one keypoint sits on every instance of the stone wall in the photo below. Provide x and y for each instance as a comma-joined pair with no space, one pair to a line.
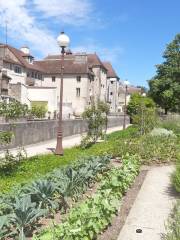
26,133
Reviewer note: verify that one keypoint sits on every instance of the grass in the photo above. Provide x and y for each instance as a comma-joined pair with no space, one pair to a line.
37,166
118,144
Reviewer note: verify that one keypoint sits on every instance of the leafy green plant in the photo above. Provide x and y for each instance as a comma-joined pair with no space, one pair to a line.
6,137
13,110
38,110
96,117
42,192
89,218
24,215
173,224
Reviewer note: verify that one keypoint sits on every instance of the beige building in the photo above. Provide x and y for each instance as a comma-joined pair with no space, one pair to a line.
86,79
112,87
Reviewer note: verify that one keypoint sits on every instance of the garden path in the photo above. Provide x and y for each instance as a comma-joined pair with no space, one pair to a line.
49,146
151,207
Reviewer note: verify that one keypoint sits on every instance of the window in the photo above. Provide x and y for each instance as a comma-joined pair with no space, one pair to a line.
111,82
111,93
35,75
53,79
28,74
17,69
77,92
78,78
10,66
32,74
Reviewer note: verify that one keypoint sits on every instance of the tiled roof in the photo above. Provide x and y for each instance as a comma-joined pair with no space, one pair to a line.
19,55
94,60
130,89
70,67
111,72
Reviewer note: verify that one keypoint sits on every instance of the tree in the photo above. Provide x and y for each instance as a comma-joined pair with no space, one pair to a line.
38,110
13,110
96,117
165,85
142,111
136,101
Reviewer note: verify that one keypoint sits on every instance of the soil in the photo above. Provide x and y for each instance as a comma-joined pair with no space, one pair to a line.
112,232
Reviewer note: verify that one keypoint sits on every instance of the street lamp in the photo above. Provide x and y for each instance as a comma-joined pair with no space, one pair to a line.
126,83
63,42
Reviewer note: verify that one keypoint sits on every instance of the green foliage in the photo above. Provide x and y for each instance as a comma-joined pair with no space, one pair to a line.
13,110
164,87
38,110
171,124
9,162
49,194
136,102
96,116
143,112
173,224
91,217
6,137
145,119
24,215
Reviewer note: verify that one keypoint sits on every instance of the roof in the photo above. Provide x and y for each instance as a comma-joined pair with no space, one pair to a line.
94,60
130,89
51,66
19,55
110,70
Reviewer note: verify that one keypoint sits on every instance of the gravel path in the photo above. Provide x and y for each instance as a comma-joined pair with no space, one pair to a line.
151,207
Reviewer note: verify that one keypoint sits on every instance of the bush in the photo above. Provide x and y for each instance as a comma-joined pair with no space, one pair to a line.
13,110
173,125
38,110
136,102
173,224
96,117
162,132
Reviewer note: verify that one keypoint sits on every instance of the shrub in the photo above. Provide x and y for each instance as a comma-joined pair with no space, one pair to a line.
38,110
173,224
96,117
13,110
162,132
173,125
136,102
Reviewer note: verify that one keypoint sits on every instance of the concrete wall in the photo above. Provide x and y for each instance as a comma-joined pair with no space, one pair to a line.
36,131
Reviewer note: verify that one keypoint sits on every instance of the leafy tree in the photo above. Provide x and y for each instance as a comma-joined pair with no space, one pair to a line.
136,101
142,111
13,110
38,110
165,85
96,116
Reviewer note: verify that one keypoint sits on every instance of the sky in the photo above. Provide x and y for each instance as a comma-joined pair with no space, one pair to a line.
131,34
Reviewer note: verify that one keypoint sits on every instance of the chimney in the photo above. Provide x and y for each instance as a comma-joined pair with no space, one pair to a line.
25,50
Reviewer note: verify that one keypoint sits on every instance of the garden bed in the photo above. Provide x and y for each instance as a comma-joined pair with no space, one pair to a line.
112,232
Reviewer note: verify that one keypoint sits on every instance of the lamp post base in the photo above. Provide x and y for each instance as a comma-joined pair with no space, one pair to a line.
59,148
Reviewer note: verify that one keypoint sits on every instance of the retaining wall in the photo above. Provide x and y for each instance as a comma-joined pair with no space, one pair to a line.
30,132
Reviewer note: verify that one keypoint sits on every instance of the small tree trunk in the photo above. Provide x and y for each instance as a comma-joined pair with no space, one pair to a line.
166,111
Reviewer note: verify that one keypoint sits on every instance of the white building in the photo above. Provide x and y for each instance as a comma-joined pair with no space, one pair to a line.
86,79
112,87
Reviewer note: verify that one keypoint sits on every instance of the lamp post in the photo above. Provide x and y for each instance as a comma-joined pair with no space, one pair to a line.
126,83
63,42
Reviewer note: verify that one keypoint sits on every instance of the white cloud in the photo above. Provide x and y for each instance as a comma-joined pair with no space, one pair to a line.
24,25
75,12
